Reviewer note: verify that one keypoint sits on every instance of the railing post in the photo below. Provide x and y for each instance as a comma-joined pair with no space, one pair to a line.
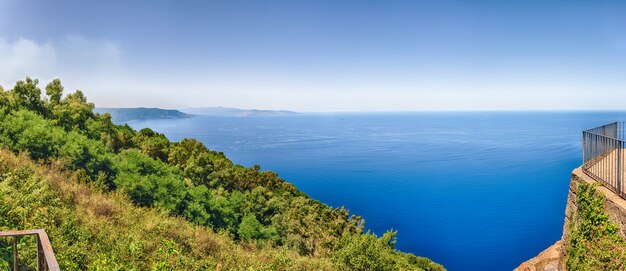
46,261
41,259
14,253
584,160
619,167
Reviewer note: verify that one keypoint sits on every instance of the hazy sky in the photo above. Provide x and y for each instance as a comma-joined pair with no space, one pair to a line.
323,55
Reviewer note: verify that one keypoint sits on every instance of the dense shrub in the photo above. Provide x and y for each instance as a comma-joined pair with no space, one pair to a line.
593,242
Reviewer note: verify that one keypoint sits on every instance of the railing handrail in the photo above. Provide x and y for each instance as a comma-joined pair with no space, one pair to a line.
44,249
616,138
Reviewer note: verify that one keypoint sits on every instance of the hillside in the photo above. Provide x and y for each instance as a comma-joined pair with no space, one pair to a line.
235,112
113,198
92,230
120,115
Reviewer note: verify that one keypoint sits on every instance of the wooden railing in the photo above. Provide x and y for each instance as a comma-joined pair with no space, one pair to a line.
45,255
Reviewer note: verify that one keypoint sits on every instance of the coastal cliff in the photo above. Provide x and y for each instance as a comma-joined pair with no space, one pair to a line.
554,257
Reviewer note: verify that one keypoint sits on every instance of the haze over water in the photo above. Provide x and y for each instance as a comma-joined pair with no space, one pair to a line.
472,191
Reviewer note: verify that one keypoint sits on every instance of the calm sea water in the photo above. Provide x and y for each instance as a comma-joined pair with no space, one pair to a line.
473,191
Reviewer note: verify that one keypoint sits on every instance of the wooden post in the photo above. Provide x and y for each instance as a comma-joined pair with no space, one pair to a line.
41,258
14,253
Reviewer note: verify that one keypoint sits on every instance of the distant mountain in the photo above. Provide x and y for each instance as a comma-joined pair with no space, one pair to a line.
229,111
141,113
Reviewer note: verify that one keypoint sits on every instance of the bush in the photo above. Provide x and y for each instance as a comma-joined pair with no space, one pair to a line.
593,242
148,182
366,251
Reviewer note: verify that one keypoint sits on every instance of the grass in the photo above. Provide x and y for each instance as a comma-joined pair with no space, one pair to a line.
92,230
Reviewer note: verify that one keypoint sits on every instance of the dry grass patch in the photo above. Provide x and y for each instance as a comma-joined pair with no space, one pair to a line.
91,228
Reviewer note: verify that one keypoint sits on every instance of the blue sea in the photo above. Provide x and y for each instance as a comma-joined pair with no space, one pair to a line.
470,190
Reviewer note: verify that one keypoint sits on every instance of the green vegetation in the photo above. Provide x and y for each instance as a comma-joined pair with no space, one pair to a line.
593,242
92,230
192,208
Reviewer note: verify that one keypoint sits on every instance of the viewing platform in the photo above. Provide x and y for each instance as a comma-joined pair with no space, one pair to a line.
604,157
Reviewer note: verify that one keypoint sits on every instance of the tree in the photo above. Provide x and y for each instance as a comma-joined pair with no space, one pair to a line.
115,137
4,99
29,131
196,161
54,90
74,111
366,251
250,228
152,144
26,95
183,151
87,154
147,181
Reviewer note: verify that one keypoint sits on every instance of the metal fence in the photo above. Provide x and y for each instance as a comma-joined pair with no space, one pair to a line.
45,255
604,155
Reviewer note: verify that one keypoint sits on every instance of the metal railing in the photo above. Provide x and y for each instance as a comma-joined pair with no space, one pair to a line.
604,155
45,255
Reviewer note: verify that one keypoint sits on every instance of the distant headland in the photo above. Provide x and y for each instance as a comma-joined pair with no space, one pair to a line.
235,112
141,113
144,113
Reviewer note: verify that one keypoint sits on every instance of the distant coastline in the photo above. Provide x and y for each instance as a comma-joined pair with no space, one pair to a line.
141,113
121,114
235,112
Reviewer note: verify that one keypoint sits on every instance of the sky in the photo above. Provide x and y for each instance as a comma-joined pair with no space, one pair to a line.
321,55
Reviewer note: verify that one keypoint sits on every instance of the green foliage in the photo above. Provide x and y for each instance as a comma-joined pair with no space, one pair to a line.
80,152
104,262
181,179
196,161
4,100
94,231
251,229
26,95
54,90
367,252
116,138
148,182
593,242
152,144
26,130
73,112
